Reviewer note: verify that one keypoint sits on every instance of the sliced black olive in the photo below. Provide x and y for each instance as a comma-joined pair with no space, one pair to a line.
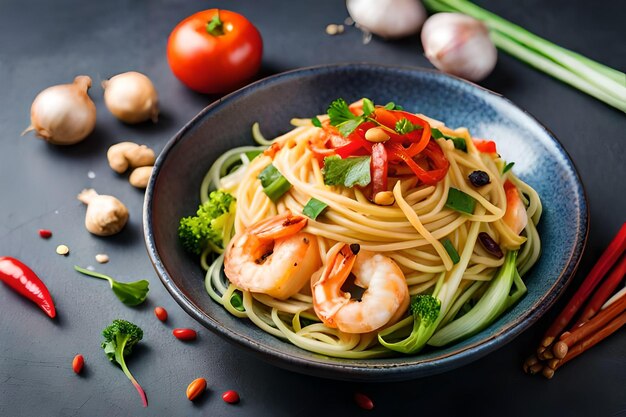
490,245
479,178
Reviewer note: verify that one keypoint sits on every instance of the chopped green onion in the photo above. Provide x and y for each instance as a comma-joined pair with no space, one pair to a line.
459,201
236,301
507,167
449,247
459,143
393,106
316,122
273,182
253,154
368,107
313,208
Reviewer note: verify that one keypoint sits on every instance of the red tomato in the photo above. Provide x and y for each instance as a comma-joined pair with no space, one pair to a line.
214,51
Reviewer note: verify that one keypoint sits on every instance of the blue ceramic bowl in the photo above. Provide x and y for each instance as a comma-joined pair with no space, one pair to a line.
539,160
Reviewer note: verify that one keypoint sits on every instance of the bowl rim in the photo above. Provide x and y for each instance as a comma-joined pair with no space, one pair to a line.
350,371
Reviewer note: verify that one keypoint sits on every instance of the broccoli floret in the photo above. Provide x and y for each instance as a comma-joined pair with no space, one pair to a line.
119,339
210,224
425,310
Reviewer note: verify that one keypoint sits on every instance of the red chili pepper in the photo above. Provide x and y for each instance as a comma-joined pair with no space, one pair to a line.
485,146
184,334
378,168
23,280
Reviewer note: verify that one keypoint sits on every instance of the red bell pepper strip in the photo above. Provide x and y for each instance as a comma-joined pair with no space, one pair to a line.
485,146
427,177
23,280
378,168
417,146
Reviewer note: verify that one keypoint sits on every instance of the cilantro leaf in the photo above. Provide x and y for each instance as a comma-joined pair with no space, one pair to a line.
404,126
348,172
343,119
339,112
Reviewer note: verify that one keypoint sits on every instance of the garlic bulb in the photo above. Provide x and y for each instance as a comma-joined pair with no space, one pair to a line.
459,45
106,215
387,18
131,97
63,114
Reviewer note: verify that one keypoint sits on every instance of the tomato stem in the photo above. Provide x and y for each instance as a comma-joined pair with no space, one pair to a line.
215,27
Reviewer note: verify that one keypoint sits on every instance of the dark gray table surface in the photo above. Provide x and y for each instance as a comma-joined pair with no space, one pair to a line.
49,42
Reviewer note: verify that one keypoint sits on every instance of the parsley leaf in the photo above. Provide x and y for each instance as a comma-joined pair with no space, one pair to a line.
316,122
348,172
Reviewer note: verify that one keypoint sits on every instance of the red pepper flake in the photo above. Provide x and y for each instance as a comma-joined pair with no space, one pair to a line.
160,313
45,233
231,397
185,334
78,363
363,401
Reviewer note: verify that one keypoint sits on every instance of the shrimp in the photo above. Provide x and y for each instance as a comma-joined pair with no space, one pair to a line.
273,256
515,216
384,301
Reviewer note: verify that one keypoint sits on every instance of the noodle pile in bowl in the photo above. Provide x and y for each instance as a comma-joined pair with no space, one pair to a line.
420,231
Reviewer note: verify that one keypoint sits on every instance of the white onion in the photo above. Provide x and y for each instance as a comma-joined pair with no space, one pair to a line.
131,97
388,18
64,114
459,45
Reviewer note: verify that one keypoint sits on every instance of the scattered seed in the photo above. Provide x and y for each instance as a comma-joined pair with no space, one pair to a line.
160,313
91,175
348,21
45,233
231,397
102,258
363,401
334,29
196,388
78,363
63,250
185,334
